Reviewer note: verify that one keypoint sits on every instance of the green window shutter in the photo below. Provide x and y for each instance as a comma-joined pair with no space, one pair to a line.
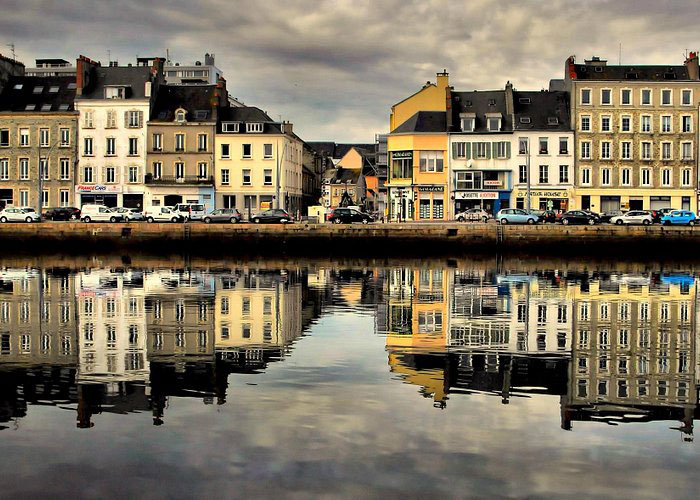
468,149
454,150
507,149
494,149
488,151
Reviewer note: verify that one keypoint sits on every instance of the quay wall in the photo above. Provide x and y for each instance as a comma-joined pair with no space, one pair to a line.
426,240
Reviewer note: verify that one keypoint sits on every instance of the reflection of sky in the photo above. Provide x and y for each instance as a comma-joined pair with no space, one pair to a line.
332,419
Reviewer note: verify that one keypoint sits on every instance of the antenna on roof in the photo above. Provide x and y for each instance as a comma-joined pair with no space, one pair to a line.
167,57
619,55
12,49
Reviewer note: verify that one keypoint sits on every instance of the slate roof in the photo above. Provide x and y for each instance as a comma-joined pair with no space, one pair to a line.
546,110
624,72
337,151
480,102
132,77
341,175
247,114
424,121
196,100
17,99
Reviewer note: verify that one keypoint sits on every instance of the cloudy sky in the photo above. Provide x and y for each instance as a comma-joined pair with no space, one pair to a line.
335,67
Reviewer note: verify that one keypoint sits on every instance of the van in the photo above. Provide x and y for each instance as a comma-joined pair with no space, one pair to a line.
162,214
99,213
190,211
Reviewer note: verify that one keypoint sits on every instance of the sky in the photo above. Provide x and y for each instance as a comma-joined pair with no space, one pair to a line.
334,68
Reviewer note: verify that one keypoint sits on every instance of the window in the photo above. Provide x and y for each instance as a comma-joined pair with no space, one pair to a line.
268,177
665,150
424,209
625,97
605,176
203,142
24,197
44,137
605,123
459,149
88,119
646,123
133,174
523,145
24,137
480,150
606,97
686,97
585,123
626,150
646,150
45,198
267,151
111,119
432,161
586,96
646,177
110,175
111,146
64,197
202,170
666,97
134,119
625,176
686,150
686,123
625,123
64,168
24,169
501,149
666,123
4,169
179,170
44,168
666,177
225,179
686,175
115,92
564,174
246,177
179,142
4,138
180,115
255,128
87,174
494,124
467,124
544,149
247,150
87,146
65,137
157,170
229,127
646,97
586,176
522,171
133,146
226,151
563,145
585,150
605,148
544,174
438,209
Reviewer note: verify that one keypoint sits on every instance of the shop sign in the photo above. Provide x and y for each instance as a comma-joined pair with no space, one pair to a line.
543,194
396,155
474,195
431,189
97,188
492,183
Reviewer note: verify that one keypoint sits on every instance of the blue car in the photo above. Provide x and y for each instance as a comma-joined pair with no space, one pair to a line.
516,216
679,217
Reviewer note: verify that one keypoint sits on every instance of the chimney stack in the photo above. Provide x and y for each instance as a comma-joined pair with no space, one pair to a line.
692,64
84,73
510,106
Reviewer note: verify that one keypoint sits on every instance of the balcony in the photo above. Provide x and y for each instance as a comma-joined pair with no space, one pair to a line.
191,180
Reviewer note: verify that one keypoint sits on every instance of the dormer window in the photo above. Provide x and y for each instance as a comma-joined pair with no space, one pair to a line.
230,127
30,107
492,102
552,120
18,86
115,92
524,100
54,89
493,122
180,115
38,90
468,121
254,128
525,120
46,107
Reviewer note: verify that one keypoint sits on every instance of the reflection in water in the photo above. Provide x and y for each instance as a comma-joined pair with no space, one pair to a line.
595,347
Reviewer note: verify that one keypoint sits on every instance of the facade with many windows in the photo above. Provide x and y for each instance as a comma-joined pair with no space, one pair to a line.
636,134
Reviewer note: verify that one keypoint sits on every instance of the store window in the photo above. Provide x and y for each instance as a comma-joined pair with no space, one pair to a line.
424,209
438,209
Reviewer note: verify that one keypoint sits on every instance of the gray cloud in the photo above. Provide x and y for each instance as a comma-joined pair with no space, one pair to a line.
335,67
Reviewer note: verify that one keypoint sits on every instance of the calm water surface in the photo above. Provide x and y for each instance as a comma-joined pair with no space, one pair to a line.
441,379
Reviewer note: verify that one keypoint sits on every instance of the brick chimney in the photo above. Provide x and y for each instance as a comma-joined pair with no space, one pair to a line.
84,74
510,106
691,63
287,128
223,92
9,67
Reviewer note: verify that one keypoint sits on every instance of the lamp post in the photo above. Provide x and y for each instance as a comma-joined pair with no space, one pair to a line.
277,180
527,172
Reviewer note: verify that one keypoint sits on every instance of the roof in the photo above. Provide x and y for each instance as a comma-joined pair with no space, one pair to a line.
247,114
600,71
133,77
196,100
544,110
480,102
424,121
341,175
45,93
51,61
337,151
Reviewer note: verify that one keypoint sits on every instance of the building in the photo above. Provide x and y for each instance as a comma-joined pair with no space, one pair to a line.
258,162
38,130
347,183
51,67
180,154
114,104
636,134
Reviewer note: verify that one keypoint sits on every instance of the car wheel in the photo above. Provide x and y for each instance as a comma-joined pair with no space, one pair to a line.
619,222
233,220
174,219
28,219
256,221
283,221
73,217
112,219
591,222
667,223
365,221
565,222
460,219
484,220
337,221
207,220
3,219
646,222
691,223
149,220
504,221
86,219
531,221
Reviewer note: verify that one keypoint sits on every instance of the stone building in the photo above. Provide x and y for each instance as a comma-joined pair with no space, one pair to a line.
38,130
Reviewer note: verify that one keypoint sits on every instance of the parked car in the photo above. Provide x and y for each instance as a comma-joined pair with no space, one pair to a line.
548,216
606,216
595,216
516,216
190,211
62,213
273,216
348,216
223,215
579,217
18,214
633,217
99,213
679,217
129,214
162,214
661,212
473,215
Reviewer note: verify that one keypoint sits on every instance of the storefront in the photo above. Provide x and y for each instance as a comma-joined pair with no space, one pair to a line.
431,202
491,201
401,203
98,194
540,199
169,196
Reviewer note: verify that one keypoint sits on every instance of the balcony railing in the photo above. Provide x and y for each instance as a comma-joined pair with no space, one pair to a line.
190,179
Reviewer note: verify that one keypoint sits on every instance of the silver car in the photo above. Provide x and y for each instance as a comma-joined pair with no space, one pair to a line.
633,217
223,215
16,214
129,214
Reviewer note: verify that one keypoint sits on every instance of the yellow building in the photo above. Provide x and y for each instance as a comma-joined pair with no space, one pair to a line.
417,149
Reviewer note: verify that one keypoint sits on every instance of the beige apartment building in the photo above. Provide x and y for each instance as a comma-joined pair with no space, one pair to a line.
636,134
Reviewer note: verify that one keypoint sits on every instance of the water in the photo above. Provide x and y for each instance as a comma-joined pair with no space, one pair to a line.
292,379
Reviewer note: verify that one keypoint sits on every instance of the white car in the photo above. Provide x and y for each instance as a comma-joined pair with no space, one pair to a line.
129,214
17,214
473,215
191,211
99,213
162,214
633,217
